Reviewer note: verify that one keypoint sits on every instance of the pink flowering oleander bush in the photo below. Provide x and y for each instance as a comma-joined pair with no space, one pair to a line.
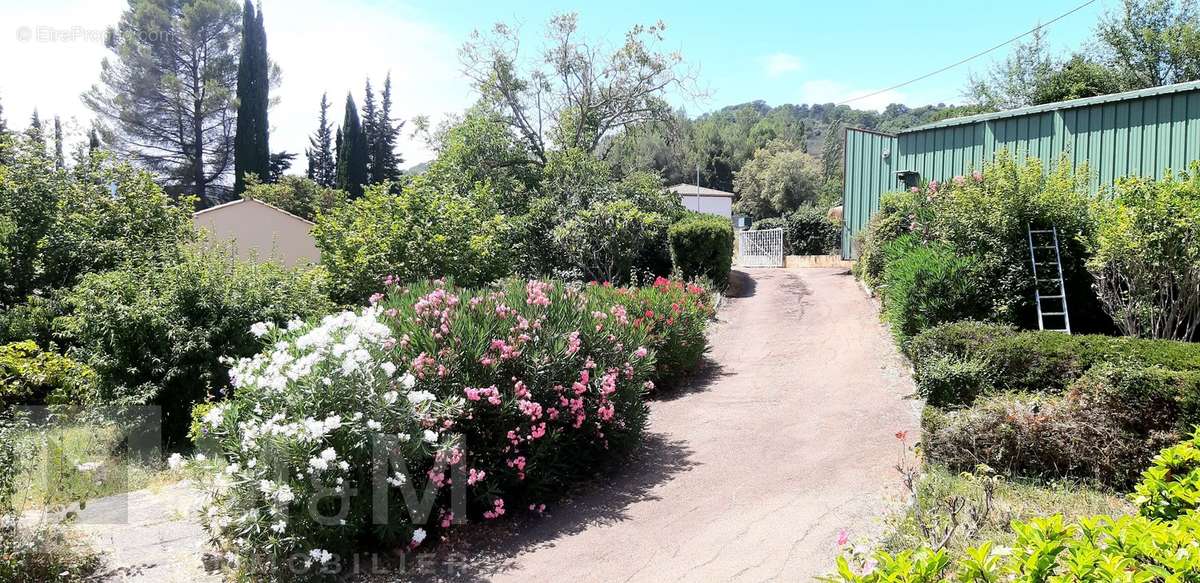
674,314
484,401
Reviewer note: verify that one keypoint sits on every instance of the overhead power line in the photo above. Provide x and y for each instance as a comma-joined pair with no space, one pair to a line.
974,56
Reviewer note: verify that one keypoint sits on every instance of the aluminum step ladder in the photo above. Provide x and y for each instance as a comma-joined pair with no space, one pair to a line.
1044,239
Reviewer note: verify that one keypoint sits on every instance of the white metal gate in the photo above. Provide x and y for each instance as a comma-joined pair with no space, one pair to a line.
760,248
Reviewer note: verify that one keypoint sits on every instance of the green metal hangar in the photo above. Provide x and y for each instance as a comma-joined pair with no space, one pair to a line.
1137,133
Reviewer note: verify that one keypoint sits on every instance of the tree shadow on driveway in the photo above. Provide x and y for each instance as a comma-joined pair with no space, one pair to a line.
486,550
741,285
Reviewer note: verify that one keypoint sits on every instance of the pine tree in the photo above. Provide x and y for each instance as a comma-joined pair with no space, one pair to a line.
321,165
251,151
385,163
35,131
93,141
369,116
59,161
352,157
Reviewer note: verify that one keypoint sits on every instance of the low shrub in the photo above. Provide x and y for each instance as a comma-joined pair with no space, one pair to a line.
1106,427
926,285
702,247
995,358
498,397
769,223
675,316
416,234
894,220
31,376
45,552
611,241
156,336
810,232
298,195
1161,543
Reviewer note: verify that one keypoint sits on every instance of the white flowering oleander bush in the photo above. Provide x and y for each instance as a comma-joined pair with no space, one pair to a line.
500,397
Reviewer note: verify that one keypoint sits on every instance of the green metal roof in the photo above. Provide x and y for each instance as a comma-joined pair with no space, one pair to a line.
1086,101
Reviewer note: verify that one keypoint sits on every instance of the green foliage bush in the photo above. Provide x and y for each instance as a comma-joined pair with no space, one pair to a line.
1146,257
416,234
608,241
56,225
298,195
806,231
32,376
925,285
1106,427
702,246
157,335
512,393
1000,358
985,216
1170,487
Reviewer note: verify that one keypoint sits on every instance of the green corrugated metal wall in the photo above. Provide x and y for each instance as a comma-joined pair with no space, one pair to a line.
868,174
1136,136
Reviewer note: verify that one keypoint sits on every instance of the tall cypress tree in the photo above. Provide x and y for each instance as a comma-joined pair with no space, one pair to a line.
352,157
59,161
251,152
385,163
321,166
369,117
35,131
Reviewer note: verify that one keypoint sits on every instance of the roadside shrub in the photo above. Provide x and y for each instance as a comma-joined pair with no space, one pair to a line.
1004,359
44,552
417,234
1146,258
674,315
926,285
985,216
31,376
157,335
609,241
504,396
1101,548
1106,427
769,223
810,232
1170,487
702,246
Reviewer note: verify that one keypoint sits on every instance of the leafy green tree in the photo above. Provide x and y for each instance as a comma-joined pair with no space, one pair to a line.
251,149
1151,42
607,241
166,97
59,160
1013,82
1076,78
777,181
321,165
300,196
581,93
480,150
352,153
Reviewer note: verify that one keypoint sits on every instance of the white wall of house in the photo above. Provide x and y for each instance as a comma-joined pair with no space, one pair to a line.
716,205
260,230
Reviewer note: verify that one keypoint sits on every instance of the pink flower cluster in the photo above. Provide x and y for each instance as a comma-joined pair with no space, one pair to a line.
492,394
497,509
535,293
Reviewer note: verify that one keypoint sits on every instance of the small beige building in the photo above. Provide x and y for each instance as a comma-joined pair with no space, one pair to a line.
260,230
705,200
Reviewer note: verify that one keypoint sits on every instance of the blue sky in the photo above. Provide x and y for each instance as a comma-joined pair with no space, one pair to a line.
780,52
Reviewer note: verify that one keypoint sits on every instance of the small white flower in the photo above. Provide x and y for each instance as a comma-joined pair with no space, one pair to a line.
408,381
388,368
200,457
374,425
176,461
430,436
390,397
279,526
284,494
418,536
260,329
329,454
294,324
418,397
344,465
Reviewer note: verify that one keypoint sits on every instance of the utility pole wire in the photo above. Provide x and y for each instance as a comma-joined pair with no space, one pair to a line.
974,56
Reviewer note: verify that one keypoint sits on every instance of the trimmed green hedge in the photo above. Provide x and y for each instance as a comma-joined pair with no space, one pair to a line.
955,363
702,246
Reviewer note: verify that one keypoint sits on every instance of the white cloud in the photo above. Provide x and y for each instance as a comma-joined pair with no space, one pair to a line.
779,64
829,91
52,53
